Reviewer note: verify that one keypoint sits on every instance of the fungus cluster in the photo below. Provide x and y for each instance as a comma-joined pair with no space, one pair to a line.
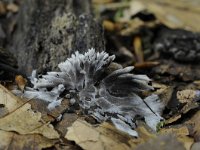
114,97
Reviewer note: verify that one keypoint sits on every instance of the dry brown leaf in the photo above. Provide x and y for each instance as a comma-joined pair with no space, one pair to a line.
103,137
197,84
134,26
160,88
21,118
11,140
173,119
47,115
189,106
67,120
194,125
175,130
112,26
187,96
9,101
181,135
144,134
187,141
21,82
165,92
162,142
195,146
173,13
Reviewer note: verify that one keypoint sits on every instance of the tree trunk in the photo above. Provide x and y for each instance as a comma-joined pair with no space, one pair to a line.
49,31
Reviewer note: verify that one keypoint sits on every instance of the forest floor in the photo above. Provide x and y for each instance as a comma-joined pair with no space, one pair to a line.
159,38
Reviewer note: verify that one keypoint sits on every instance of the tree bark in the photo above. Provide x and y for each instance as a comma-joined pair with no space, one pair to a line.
49,31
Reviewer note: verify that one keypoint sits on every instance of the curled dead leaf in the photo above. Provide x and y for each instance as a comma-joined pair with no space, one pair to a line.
183,130
162,142
12,140
21,82
193,124
103,137
172,119
187,96
21,118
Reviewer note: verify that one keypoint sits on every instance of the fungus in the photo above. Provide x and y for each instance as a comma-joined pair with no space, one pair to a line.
114,97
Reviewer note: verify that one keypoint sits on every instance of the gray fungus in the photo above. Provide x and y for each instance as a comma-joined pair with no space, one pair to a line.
114,98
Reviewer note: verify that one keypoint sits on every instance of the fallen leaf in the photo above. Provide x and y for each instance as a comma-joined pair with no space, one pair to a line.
195,146
163,91
162,142
21,82
134,26
12,140
180,132
144,134
189,106
183,130
173,119
159,87
67,120
103,137
8,100
172,13
47,115
3,110
21,118
193,124
187,141
188,96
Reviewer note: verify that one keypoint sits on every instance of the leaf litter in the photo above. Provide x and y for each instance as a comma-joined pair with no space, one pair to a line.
29,123
19,120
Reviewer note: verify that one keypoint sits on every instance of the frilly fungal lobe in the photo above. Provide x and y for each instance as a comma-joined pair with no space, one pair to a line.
114,97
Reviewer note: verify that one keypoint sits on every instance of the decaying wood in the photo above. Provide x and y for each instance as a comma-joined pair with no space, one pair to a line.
49,31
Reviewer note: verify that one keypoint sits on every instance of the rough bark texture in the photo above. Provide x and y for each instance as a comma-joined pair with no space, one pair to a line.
49,31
